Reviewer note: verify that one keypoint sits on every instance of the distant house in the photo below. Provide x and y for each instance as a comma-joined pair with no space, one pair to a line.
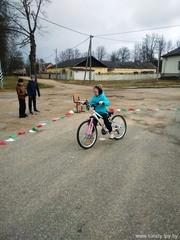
44,67
75,69
171,64
21,72
130,67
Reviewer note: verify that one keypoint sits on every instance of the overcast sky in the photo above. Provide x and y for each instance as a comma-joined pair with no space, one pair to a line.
103,17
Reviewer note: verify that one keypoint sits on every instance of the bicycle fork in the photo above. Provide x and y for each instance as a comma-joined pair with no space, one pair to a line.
89,129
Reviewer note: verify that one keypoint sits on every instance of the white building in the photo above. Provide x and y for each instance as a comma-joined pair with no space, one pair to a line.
171,64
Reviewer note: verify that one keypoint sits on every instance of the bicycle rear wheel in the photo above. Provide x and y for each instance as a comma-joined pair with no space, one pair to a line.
119,126
85,140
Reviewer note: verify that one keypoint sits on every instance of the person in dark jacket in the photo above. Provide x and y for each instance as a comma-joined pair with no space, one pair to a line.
22,93
32,90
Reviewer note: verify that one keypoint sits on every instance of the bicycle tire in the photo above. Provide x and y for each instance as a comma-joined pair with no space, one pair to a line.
125,125
78,138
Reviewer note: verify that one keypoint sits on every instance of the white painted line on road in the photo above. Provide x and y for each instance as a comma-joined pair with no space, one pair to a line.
10,140
102,139
31,131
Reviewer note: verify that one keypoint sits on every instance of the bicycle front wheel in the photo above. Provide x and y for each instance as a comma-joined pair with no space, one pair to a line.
86,140
119,126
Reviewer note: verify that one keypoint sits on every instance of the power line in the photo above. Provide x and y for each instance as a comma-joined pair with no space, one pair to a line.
102,35
77,45
111,34
116,40
85,40
67,28
52,54
138,30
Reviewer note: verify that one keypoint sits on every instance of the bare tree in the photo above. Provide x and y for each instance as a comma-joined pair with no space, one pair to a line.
124,54
15,59
114,57
23,17
152,47
77,53
69,54
3,34
178,43
161,46
169,46
121,55
137,53
100,52
149,47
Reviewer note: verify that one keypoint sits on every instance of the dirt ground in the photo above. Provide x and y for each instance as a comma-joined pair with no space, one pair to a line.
58,100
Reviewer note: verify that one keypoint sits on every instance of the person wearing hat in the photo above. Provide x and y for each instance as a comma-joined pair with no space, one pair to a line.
21,92
32,90
101,102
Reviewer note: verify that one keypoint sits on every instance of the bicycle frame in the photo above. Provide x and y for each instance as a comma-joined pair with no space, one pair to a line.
97,116
87,133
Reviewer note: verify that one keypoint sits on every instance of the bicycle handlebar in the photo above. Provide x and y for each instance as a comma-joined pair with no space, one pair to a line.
88,105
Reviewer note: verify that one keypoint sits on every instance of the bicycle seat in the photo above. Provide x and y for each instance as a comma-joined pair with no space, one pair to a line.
111,111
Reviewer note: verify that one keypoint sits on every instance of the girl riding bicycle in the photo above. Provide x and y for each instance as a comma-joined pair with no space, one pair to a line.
101,102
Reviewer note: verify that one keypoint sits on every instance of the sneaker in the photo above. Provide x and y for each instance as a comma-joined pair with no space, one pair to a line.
36,110
111,136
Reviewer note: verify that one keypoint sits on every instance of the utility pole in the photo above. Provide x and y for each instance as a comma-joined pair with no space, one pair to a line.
1,76
87,62
90,61
159,58
56,59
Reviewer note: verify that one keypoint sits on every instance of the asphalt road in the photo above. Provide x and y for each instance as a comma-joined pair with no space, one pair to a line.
53,189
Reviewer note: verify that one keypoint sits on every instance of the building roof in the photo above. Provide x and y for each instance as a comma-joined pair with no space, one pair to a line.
48,65
81,69
133,65
80,62
175,52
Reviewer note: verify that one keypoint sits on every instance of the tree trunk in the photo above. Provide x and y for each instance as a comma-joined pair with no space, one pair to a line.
32,55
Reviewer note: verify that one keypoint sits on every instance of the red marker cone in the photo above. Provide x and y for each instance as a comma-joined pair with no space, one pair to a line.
55,119
3,143
131,109
68,114
39,126
21,132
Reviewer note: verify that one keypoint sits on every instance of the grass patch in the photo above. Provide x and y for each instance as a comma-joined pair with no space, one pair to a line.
128,83
11,81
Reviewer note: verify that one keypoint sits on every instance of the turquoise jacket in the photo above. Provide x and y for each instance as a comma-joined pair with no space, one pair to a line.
101,109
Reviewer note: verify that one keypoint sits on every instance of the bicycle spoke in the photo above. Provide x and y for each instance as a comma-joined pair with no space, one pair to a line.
119,125
86,139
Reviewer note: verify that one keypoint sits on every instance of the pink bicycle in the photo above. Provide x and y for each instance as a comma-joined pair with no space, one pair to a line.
87,132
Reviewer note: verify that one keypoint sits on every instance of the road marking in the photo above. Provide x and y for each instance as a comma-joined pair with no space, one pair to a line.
102,139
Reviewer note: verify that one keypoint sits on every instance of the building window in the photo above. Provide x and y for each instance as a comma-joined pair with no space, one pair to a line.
147,72
179,65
